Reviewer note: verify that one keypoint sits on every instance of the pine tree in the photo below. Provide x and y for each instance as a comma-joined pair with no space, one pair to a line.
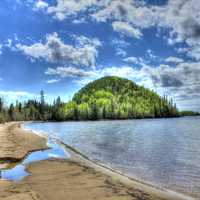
11,112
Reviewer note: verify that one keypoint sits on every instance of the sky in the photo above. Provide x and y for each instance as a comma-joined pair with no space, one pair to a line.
60,45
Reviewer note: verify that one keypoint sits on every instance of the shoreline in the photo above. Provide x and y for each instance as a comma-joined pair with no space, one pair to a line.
120,176
145,190
16,144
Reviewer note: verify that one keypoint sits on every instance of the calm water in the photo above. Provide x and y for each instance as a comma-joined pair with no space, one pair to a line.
18,171
165,152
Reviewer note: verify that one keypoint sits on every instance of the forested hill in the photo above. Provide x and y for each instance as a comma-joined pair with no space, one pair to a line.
106,98
117,98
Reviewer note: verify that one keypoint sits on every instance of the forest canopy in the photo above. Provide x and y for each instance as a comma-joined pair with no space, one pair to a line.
117,98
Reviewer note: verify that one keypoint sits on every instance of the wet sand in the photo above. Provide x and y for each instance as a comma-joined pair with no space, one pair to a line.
16,143
72,179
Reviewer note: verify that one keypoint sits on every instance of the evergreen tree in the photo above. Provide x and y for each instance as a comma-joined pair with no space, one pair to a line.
11,112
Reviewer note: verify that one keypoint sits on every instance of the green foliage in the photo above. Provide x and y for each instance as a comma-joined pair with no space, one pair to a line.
117,98
32,110
106,98
189,113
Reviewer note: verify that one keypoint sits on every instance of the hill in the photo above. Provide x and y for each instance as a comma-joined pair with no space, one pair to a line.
117,98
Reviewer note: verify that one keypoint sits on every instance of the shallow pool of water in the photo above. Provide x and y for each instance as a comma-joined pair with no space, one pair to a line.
17,171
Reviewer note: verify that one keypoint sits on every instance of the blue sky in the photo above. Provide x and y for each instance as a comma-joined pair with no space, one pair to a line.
61,45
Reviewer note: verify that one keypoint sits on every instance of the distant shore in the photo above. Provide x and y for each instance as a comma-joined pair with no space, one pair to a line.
74,178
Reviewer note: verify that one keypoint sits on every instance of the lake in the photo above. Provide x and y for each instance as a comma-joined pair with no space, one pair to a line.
165,152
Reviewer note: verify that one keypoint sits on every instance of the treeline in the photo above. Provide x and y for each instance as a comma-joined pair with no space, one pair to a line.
189,113
105,98
31,110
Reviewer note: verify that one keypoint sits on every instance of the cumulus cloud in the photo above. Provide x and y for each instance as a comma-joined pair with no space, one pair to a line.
82,41
135,15
131,59
63,8
56,51
180,17
128,11
175,60
130,17
41,4
79,21
183,20
181,81
183,17
64,72
121,52
116,42
135,60
126,29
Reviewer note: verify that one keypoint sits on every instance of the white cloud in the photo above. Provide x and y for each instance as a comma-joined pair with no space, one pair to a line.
52,81
82,41
183,19
120,52
135,60
119,43
79,21
124,71
151,54
131,59
132,12
56,51
126,29
63,8
180,17
175,60
130,17
128,11
41,4
182,81
64,72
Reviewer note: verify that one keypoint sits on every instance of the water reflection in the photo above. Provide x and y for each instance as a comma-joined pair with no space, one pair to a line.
17,171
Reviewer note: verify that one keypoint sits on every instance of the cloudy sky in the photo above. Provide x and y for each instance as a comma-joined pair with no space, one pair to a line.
60,45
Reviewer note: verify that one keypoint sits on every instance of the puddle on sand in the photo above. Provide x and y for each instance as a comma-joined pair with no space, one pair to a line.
17,171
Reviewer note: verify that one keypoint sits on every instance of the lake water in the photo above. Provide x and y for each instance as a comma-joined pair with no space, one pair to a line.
165,152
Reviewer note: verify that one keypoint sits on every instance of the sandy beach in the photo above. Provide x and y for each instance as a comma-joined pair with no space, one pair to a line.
72,179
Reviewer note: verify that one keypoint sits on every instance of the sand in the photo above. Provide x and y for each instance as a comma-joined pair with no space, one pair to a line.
16,143
73,179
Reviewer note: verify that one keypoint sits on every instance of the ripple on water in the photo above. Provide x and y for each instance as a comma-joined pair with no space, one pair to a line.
161,151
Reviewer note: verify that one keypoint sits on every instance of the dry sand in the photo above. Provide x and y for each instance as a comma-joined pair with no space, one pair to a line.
72,179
